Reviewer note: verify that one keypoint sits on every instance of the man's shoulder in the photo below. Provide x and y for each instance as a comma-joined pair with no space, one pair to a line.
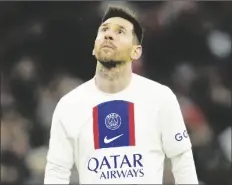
155,92
152,86
78,93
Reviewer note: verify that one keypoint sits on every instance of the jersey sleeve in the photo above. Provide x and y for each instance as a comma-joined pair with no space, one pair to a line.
183,168
60,158
174,135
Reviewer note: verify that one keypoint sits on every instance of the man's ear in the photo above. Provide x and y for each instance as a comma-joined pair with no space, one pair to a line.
93,52
136,52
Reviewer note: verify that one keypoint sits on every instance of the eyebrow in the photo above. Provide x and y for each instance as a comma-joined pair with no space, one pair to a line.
121,27
105,24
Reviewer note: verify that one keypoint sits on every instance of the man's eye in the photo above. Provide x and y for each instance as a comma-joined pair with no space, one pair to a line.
120,31
104,29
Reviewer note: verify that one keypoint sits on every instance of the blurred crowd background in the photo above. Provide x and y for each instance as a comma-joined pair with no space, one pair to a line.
46,51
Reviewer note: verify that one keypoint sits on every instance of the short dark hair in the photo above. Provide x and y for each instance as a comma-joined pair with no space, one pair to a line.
114,11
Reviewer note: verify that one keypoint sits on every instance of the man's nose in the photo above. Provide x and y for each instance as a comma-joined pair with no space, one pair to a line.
109,36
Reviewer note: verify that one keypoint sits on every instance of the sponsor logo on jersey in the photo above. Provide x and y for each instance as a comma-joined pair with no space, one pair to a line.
181,135
113,124
106,140
117,166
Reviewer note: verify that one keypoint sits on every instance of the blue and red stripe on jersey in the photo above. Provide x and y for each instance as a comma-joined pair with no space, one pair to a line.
114,119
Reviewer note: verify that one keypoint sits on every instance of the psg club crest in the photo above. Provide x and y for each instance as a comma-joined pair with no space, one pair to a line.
113,124
113,121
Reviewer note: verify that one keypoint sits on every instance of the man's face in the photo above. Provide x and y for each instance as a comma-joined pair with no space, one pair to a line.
114,41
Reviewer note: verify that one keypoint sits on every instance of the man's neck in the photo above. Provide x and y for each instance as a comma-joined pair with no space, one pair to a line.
113,80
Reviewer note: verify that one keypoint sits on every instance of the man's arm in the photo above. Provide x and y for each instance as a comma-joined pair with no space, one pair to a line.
60,157
183,168
176,143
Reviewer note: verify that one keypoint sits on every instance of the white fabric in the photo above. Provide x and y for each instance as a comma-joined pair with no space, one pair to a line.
183,168
159,130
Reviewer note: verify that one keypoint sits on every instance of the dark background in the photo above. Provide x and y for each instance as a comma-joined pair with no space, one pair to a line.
46,51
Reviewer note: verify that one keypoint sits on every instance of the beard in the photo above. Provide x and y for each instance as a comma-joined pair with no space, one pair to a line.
111,64
108,58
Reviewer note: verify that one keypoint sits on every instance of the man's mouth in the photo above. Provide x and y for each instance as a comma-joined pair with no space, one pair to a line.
108,46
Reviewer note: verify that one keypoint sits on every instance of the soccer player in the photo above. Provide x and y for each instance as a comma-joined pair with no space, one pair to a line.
117,127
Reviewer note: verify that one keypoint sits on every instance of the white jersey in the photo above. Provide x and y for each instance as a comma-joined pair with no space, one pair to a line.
118,138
